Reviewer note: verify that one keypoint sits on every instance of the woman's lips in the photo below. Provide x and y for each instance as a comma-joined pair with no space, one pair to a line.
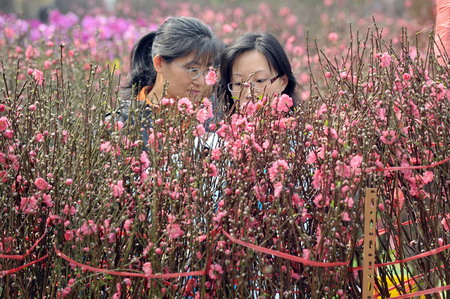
194,92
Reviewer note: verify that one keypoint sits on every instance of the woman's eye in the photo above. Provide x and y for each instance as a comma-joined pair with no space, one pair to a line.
237,84
260,81
194,71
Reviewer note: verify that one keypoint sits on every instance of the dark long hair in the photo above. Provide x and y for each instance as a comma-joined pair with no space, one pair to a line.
177,37
270,47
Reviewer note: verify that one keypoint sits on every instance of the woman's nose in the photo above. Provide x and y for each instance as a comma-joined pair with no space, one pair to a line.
249,92
200,81
245,97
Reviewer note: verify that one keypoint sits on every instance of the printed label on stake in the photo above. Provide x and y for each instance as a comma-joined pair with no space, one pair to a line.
370,213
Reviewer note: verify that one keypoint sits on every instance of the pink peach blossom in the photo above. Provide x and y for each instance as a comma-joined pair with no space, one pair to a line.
322,110
112,238
212,169
295,276
31,52
356,161
28,205
185,105
202,115
38,77
211,77
118,189
88,228
388,137
199,130
147,268
446,223
8,134
66,291
333,37
174,230
118,125
282,103
4,123
47,200
406,77
297,200
127,225
216,154
68,235
105,146
312,158
277,170
385,59
39,137
214,271
42,184
427,177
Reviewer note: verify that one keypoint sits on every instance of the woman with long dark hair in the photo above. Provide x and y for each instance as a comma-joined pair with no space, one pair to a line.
255,64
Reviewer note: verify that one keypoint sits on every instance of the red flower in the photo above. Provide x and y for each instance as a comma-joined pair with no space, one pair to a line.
277,170
211,77
184,104
147,268
38,77
282,103
202,115
385,59
4,123
28,205
388,137
446,223
118,189
214,271
174,230
199,130
66,291
42,184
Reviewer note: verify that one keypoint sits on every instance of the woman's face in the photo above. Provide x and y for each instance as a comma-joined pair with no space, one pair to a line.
186,77
251,73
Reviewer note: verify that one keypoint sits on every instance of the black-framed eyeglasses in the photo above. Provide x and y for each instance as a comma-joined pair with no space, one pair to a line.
193,72
256,85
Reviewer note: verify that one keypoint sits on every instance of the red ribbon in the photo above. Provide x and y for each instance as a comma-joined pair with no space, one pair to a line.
424,292
428,253
397,168
283,255
384,230
5,272
21,257
131,274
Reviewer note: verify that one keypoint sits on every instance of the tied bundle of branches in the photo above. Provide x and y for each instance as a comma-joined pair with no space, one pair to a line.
174,194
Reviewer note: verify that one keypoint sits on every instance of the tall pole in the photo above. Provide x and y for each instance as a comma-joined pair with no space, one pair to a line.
370,217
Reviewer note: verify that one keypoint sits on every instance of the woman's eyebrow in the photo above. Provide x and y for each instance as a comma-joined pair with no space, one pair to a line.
252,73
197,63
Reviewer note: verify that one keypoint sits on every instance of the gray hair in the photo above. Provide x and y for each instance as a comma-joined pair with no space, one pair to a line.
177,37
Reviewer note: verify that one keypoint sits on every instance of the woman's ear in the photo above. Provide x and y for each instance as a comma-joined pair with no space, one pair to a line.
158,63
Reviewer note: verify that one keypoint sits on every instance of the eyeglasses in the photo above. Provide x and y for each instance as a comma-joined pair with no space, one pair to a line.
193,73
257,85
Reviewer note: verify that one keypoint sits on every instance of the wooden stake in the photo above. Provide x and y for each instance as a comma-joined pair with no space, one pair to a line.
370,213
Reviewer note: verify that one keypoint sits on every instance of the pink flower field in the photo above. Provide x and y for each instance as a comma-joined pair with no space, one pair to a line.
276,209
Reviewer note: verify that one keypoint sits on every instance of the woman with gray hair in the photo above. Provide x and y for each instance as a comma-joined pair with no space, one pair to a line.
171,62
